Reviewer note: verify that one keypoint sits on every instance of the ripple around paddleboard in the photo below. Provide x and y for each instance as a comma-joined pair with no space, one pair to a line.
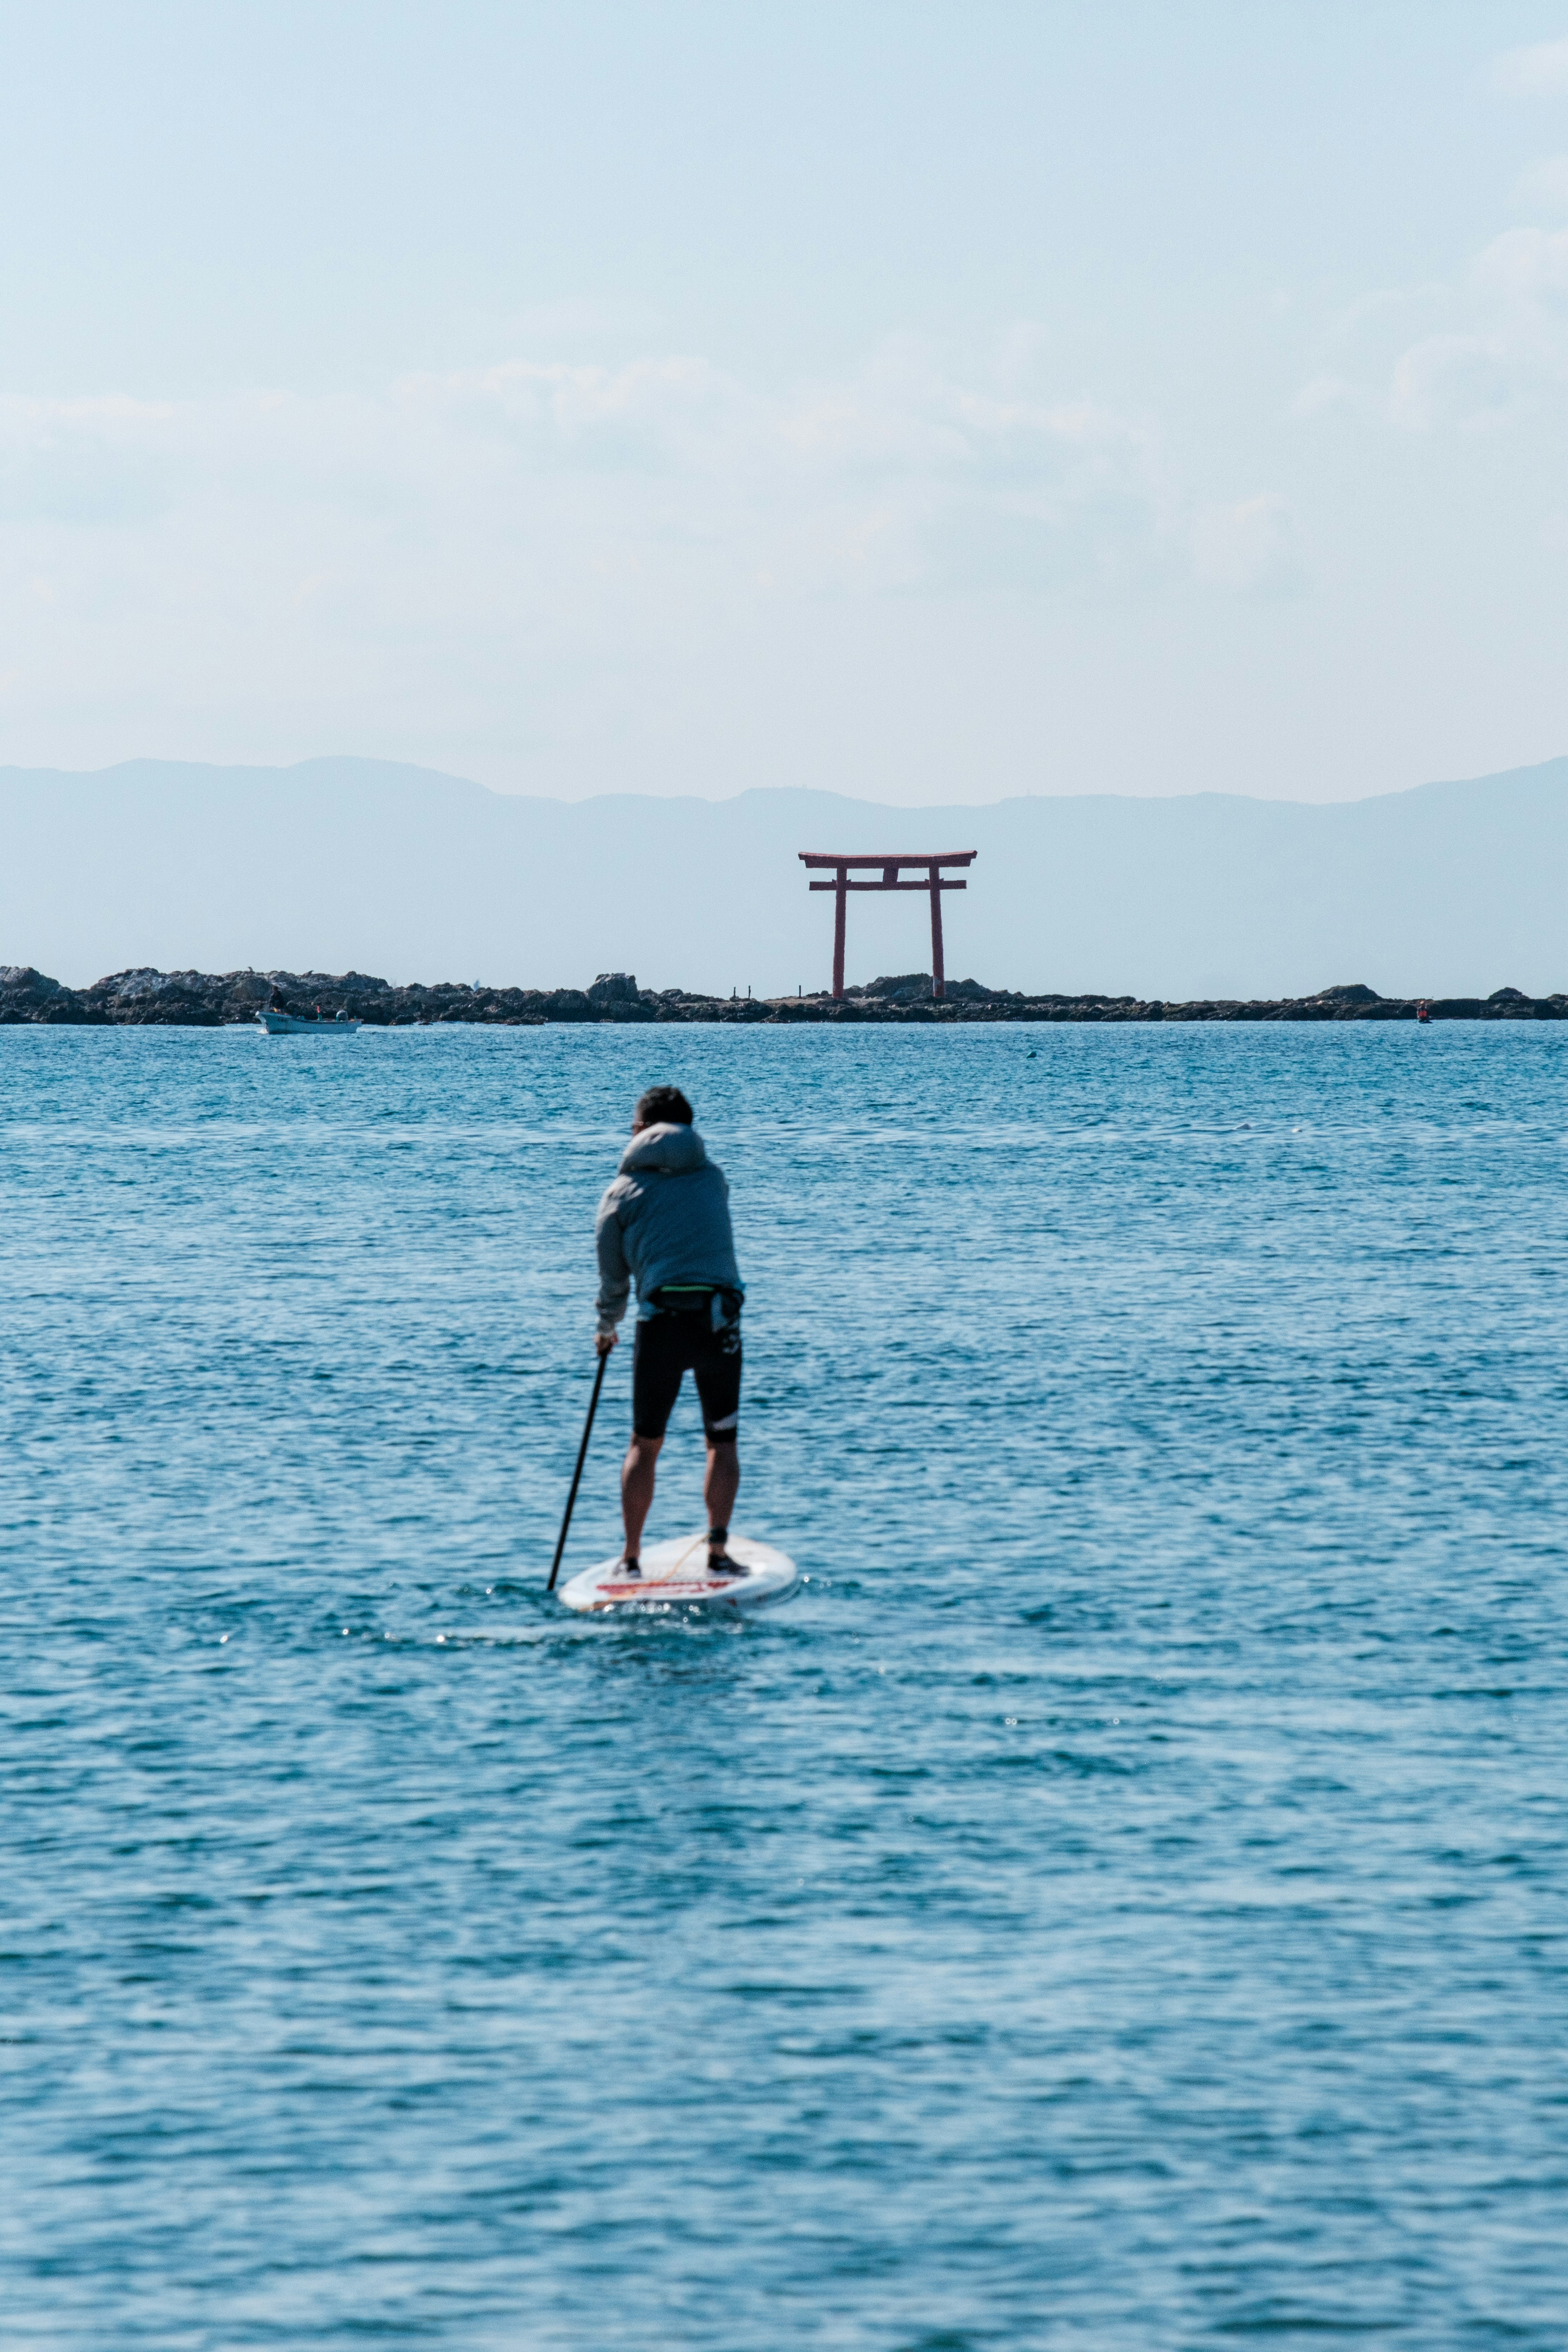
674,1575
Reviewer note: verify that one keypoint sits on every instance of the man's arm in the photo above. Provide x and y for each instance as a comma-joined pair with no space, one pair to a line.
615,1277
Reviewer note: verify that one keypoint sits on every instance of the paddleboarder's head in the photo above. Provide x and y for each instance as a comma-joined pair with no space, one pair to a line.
661,1107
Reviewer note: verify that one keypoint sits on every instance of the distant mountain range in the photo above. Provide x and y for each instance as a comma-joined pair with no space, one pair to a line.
1450,889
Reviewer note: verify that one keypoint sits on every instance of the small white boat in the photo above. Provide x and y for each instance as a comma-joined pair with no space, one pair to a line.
289,1025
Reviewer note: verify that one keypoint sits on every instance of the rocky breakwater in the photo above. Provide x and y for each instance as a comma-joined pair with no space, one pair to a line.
195,999
907,997
203,1000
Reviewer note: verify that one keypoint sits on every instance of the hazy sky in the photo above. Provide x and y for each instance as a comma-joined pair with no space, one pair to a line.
926,402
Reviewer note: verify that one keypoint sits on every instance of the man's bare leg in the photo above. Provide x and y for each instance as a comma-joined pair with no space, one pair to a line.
638,1472
721,1485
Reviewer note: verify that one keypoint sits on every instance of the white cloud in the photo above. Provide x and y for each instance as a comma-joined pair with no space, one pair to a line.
1487,352
83,461
547,541
646,416
1540,70
1510,358
661,449
1488,349
1252,549
1326,390
1526,269
1453,379
1543,188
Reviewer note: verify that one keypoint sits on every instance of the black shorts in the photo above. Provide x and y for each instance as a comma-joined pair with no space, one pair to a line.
669,1345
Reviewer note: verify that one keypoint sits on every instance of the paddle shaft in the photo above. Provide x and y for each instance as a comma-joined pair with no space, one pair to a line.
577,1473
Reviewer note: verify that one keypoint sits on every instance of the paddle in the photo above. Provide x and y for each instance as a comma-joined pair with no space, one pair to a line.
577,1473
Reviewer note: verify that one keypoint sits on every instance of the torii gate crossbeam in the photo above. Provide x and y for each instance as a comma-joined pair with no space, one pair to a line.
888,878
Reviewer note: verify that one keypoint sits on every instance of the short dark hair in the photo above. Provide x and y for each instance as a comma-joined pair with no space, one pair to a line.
663,1107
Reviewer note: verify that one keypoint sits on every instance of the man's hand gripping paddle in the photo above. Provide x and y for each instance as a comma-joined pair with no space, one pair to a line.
577,1473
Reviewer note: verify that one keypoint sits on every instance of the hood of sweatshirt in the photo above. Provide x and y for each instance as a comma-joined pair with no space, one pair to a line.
664,1150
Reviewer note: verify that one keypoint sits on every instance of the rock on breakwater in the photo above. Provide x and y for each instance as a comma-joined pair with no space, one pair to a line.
143,997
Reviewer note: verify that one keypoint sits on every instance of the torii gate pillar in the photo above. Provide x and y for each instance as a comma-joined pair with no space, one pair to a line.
938,977
889,878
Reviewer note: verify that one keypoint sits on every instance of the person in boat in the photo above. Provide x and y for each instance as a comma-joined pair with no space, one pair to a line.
664,1223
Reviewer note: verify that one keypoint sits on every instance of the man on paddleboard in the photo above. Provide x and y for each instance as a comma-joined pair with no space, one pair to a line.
664,1223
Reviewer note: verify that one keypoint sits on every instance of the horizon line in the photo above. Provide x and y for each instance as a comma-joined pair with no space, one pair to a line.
757,792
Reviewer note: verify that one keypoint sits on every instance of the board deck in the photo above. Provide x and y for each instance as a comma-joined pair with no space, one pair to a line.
675,1575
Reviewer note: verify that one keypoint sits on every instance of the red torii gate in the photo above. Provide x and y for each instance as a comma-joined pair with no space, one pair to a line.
889,880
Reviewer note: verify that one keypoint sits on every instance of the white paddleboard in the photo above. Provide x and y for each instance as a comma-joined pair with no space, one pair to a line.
675,1575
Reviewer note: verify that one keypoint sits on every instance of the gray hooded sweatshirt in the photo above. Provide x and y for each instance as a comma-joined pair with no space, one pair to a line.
666,1218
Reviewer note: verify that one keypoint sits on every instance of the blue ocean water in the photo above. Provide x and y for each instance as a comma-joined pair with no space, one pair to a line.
1120,1903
